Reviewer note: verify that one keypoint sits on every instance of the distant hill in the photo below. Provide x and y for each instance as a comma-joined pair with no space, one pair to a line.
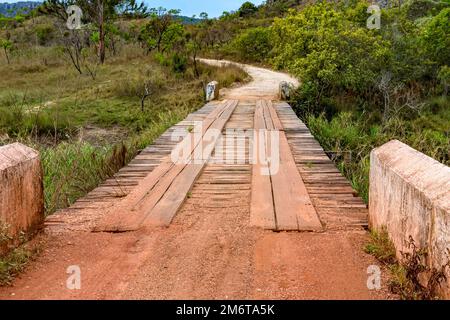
187,20
11,9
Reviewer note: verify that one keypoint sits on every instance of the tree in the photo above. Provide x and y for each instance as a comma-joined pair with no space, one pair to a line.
7,46
44,33
436,37
194,45
72,47
56,8
162,30
100,13
72,41
132,9
247,9
325,49
253,44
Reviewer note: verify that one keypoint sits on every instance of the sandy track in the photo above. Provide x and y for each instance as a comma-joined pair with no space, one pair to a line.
208,252
264,85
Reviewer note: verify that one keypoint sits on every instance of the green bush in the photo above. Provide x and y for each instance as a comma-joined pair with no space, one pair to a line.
19,121
247,9
436,37
179,63
73,169
444,78
359,135
44,33
323,46
253,44
161,59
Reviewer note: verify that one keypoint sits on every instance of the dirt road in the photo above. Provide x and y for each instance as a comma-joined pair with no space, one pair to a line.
210,251
264,84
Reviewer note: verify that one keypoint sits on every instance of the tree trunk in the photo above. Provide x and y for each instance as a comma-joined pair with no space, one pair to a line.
197,74
159,43
142,103
6,54
101,31
113,45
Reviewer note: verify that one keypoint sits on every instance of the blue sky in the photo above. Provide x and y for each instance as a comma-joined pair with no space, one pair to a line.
191,7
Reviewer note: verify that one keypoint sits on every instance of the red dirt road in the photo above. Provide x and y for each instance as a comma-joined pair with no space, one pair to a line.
203,255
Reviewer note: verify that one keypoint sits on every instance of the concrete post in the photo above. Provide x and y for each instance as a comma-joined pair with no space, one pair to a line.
212,91
21,193
410,197
285,90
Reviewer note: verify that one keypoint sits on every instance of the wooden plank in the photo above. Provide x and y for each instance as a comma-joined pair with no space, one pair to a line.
258,121
332,195
293,207
279,201
164,211
267,116
273,114
262,212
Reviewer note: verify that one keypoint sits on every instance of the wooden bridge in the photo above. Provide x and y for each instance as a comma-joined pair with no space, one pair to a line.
307,192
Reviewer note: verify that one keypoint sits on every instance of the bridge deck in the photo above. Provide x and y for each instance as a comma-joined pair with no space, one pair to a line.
229,179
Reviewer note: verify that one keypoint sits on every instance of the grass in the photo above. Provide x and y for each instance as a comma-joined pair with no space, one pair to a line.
358,134
15,262
59,97
406,275
12,262
381,247
4,237
72,169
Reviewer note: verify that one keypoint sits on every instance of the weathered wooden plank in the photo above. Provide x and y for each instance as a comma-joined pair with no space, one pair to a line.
332,195
164,211
293,207
262,211
292,201
267,116
273,114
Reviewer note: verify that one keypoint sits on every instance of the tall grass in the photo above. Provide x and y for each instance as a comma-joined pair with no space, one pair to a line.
354,134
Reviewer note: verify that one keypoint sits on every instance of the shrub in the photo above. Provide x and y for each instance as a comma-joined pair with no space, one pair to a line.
325,49
436,37
247,9
346,132
444,78
179,63
253,44
44,33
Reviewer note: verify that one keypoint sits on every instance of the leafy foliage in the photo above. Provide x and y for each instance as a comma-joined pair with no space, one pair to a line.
253,44
247,9
327,51
162,30
435,36
7,46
